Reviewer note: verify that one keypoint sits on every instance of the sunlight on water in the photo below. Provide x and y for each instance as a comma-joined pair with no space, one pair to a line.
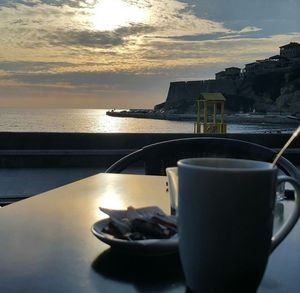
96,121
106,124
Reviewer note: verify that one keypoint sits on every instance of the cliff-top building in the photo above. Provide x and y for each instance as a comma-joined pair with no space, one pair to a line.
229,73
238,87
291,50
289,55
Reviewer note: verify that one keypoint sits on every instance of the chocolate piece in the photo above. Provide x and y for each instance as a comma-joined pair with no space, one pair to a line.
140,224
150,229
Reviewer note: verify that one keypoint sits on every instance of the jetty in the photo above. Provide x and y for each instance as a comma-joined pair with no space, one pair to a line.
245,118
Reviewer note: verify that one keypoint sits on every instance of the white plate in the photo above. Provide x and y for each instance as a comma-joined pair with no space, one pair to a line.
150,246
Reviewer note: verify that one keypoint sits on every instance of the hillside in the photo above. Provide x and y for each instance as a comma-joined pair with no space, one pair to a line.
277,91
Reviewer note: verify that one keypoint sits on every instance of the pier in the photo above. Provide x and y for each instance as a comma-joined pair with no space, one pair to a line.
245,118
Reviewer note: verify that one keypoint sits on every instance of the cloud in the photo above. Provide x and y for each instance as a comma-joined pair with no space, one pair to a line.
174,18
32,66
164,58
52,43
250,29
3,74
66,25
84,89
89,39
32,3
97,39
82,79
14,3
167,18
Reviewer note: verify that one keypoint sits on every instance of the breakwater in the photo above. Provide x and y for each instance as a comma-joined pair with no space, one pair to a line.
250,118
62,150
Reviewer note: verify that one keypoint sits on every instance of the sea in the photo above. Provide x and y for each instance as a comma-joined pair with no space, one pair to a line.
96,121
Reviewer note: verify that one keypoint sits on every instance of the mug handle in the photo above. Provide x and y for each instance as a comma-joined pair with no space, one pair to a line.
293,218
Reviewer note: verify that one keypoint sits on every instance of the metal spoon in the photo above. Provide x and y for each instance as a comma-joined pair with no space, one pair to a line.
294,135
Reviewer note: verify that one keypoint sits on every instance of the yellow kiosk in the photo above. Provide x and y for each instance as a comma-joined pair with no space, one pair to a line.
210,106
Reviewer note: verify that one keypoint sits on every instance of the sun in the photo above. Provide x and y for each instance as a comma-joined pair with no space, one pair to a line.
108,15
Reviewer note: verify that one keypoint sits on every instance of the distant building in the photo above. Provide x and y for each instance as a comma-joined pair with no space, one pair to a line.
229,73
221,75
251,67
261,66
289,55
280,59
291,50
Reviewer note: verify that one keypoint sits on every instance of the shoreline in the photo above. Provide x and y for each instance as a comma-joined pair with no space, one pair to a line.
228,118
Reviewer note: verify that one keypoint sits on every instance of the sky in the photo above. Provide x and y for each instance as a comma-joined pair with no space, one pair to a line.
124,53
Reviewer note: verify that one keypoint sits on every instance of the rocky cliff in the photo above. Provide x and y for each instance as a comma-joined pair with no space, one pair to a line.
277,91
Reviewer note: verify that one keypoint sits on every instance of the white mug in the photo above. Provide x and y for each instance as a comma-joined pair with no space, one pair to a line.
225,220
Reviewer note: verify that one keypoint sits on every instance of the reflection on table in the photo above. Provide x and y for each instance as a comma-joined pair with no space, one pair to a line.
47,244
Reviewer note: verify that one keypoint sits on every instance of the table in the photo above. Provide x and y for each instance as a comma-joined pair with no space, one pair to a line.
47,245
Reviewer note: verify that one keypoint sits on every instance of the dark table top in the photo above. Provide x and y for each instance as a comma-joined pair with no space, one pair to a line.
47,245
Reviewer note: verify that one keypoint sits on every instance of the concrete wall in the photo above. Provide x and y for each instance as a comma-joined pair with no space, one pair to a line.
32,163
63,150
